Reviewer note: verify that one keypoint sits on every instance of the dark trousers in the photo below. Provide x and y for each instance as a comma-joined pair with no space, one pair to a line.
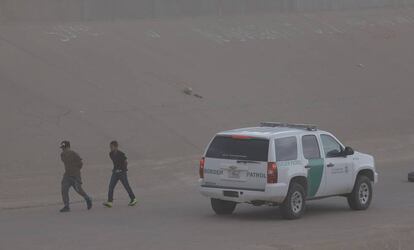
76,183
123,177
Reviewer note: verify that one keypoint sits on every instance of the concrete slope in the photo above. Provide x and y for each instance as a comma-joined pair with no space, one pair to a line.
350,72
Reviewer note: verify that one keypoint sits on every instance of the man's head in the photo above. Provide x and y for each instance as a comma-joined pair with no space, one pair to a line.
65,145
113,145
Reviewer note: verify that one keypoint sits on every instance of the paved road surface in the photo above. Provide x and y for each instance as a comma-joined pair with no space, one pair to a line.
177,217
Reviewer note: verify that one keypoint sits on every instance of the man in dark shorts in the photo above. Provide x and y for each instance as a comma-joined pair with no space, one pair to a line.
119,173
72,176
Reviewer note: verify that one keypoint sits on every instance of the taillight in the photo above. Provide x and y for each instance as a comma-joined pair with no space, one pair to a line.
201,169
271,172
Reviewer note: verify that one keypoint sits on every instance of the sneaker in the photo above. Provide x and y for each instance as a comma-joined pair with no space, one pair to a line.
133,202
107,204
65,209
89,203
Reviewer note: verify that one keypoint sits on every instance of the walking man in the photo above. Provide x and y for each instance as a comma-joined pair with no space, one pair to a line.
72,176
119,173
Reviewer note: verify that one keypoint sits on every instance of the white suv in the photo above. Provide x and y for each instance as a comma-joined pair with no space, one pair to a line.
283,164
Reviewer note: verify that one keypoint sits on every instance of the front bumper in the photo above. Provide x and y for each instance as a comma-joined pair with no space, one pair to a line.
273,193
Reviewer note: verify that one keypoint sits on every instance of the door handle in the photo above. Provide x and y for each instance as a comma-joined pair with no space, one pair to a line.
330,165
307,166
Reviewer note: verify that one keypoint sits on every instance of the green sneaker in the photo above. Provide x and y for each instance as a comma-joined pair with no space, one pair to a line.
133,202
107,204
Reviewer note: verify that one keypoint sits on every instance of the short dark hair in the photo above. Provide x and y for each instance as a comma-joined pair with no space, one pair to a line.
114,143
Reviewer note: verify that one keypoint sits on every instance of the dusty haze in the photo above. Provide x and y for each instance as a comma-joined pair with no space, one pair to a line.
91,75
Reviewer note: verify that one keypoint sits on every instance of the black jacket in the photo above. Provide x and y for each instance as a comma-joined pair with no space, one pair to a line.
120,161
73,163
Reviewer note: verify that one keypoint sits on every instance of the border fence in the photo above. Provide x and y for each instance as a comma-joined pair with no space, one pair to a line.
107,10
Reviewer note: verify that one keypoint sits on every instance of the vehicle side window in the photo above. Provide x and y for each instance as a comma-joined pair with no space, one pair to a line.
310,147
286,149
331,147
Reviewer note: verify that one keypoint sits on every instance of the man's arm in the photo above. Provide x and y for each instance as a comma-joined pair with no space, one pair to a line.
125,160
78,159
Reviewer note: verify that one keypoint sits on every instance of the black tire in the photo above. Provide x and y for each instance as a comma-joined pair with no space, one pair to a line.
411,177
361,195
223,207
294,205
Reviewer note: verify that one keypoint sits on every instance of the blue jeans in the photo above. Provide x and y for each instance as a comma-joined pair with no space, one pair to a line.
119,176
76,183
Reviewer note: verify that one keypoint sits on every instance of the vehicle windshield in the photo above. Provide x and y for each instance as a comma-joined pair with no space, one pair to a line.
239,148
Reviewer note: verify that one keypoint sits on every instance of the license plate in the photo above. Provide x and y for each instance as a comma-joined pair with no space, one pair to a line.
233,194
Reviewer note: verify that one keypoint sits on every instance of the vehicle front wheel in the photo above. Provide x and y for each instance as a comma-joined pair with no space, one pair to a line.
223,207
293,207
361,195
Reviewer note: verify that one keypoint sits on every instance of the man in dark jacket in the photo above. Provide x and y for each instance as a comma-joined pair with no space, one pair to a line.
72,176
119,173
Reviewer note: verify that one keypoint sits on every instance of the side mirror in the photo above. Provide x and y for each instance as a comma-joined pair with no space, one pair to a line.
334,153
348,151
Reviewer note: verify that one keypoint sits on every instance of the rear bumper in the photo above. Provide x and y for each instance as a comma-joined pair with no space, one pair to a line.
375,177
272,193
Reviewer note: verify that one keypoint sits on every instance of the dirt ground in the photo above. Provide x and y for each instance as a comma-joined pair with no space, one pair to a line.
350,72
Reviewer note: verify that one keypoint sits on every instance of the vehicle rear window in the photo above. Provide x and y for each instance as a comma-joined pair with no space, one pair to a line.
286,149
239,148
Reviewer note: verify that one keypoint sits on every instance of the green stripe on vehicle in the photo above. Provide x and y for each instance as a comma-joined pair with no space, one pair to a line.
315,174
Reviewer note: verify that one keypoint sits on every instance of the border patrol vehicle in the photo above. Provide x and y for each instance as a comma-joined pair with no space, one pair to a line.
283,164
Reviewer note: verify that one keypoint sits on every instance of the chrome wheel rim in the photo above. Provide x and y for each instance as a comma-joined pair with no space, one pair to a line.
363,193
296,202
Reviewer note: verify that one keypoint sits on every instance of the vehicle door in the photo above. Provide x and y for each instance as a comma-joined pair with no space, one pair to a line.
315,165
339,169
237,162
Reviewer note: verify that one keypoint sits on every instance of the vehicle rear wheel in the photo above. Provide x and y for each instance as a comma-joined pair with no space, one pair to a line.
411,177
361,195
293,207
222,207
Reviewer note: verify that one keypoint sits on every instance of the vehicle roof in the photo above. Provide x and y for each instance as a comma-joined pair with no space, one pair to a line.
267,132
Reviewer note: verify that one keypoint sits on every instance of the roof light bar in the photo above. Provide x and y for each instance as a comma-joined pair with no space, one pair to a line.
308,127
245,137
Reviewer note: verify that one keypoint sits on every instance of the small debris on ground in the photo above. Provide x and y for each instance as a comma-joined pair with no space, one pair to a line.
189,91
